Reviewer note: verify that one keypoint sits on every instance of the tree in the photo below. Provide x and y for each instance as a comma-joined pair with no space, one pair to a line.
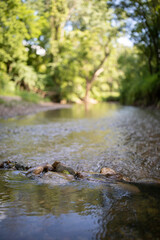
77,38
94,22
18,26
144,18
91,56
138,86
90,35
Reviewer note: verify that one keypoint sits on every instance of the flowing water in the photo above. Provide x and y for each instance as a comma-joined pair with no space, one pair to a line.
126,139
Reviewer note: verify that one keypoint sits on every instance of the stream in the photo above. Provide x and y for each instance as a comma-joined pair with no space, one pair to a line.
124,138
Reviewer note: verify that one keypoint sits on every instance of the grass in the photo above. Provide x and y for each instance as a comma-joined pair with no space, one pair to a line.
29,96
26,96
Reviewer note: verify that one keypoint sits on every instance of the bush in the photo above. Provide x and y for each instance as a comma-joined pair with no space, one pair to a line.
138,86
29,96
24,76
6,86
141,91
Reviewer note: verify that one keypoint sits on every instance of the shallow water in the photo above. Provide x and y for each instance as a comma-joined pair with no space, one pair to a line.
126,139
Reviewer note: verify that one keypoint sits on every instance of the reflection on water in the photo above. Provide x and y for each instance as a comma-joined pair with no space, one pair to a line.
77,211
124,138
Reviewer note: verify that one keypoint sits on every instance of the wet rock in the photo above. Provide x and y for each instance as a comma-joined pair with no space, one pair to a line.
21,167
49,166
119,177
55,178
35,170
110,173
65,172
13,165
79,175
126,179
106,174
6,164
61,168
107,171
40,169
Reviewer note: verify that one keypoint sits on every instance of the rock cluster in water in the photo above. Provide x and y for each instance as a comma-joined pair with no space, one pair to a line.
59,174
65,171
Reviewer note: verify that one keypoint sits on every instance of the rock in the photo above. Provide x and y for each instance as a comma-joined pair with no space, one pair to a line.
110,173
21,167
6,164
55,178
49,166
13,165
107,171
126,179
66,172
61,168
79,175
40,169
35,170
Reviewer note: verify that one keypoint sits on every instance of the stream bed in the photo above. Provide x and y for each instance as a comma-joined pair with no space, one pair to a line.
126,139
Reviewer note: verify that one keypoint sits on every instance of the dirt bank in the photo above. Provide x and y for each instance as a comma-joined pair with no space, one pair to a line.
14,106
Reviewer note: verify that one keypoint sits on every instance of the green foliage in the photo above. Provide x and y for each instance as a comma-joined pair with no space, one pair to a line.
6,85
24,76
18,25
144,18
68,48
29,96
82,52
138,87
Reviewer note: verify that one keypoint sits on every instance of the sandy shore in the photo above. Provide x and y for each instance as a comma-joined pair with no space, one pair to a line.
14,106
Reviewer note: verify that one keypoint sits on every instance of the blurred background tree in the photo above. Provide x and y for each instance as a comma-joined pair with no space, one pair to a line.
69,50
141,81
19,27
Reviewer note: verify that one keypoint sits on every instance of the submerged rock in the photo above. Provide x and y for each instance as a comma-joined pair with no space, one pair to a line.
55,178
92,177
6,164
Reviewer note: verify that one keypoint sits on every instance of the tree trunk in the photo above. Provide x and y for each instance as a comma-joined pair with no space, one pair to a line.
97,71
8,64
88,88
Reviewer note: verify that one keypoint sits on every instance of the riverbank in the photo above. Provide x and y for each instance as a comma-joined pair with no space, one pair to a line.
15,106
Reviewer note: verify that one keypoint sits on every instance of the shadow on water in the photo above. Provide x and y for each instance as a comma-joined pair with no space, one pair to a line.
126,139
